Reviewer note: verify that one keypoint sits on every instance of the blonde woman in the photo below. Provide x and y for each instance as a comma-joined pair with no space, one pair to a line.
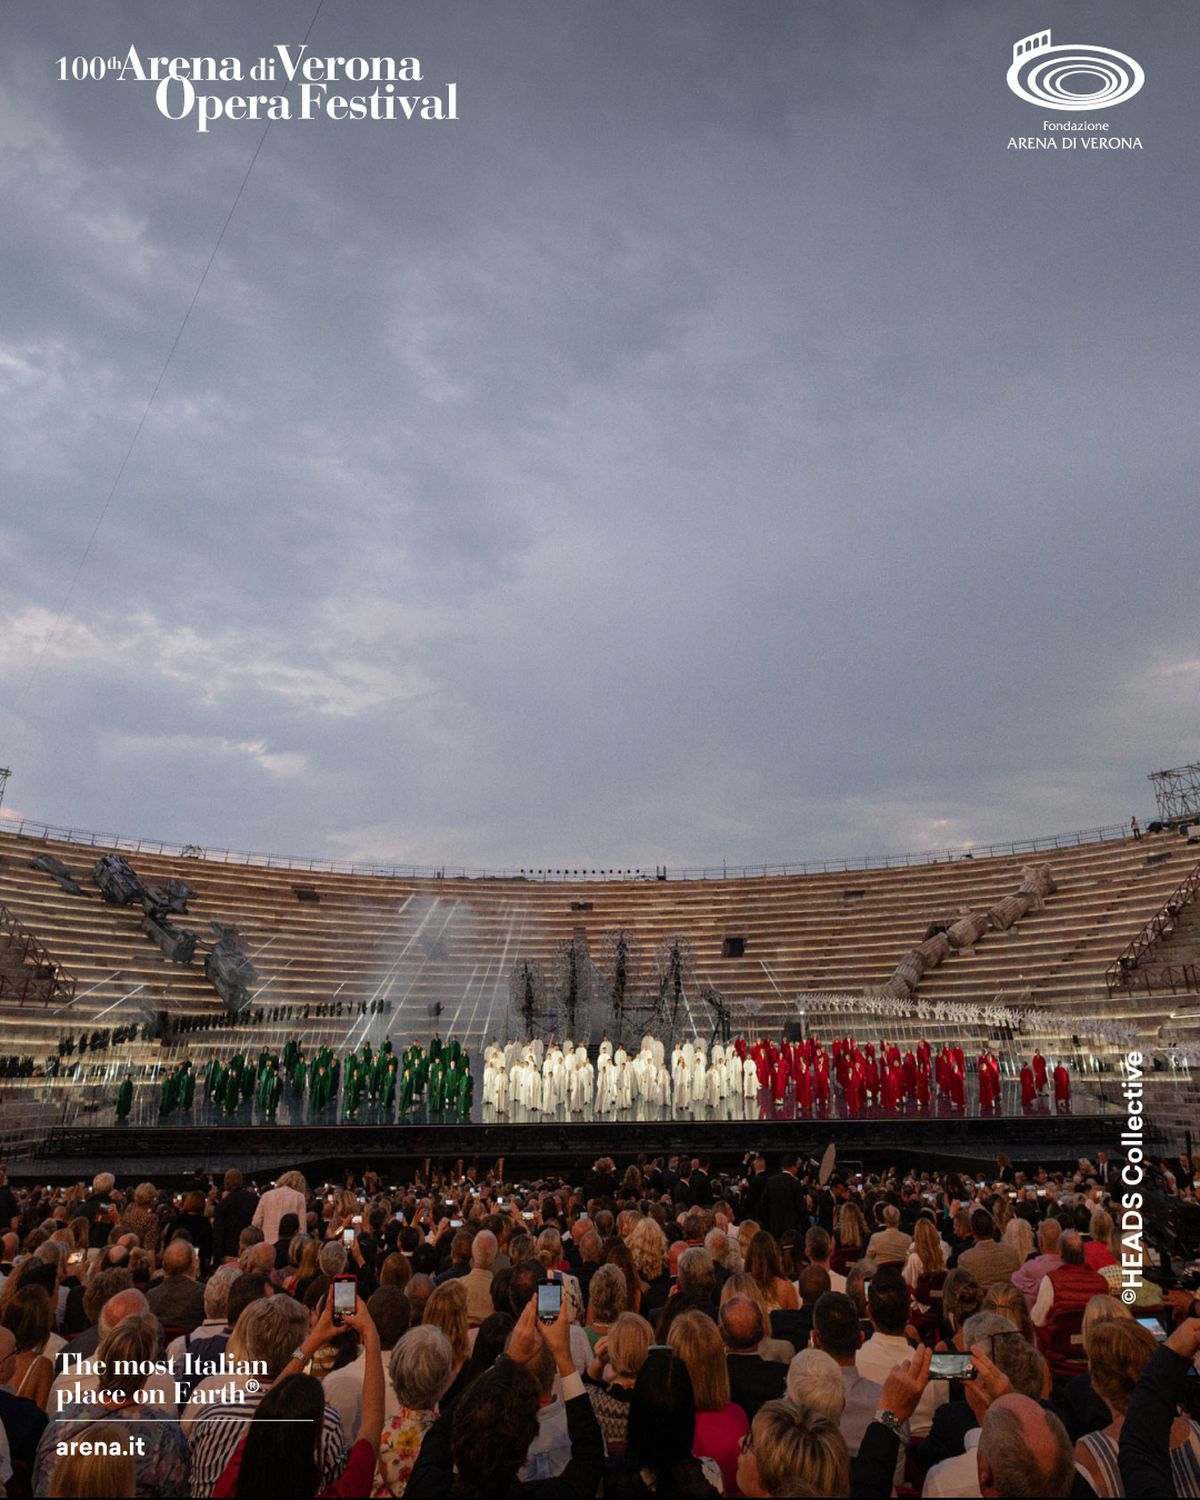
447,1309
613,1373
648,1246
851,1237
1103,1310
1118,1352
288,1196
106,1470
1009,1302
721,1424
746,1231
796,1444
1019,1234
927,1255
1096,1250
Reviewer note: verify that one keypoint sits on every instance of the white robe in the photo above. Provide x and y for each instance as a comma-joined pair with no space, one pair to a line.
750,1078
682,1092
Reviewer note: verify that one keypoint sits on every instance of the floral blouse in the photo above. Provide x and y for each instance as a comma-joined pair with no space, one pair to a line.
398,1448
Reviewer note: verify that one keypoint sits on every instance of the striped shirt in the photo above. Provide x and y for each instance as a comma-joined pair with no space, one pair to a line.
216,1431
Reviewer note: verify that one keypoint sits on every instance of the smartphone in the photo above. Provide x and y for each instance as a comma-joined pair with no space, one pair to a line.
549,1301
1152,1325
583,1218
951,1367
348,1237
456,1223
1041,1192
345,1297
527,1215
75,1257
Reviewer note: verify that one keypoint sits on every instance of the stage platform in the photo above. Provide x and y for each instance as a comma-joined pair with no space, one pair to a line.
178,1150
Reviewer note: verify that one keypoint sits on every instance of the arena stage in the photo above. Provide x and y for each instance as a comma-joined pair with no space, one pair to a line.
211,1140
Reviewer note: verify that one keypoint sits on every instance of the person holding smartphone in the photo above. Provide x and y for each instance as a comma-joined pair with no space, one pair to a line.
482,1441
271,1460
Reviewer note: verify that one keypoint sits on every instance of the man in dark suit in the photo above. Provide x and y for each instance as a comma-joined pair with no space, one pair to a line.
700,1194
233,1213
782,1209
752,1379
752,1196
601,1181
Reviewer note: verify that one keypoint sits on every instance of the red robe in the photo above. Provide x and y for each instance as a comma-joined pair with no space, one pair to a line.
985,1083
923,1090
1039,1072
821,1088
804,1088
1062,1087
1028,1087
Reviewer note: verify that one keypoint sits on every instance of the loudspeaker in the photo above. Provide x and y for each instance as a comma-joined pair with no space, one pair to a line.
793,1031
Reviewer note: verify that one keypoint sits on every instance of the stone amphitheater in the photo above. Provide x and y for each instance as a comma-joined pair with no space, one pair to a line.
1105,961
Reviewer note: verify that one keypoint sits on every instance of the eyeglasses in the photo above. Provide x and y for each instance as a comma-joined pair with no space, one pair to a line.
746,1442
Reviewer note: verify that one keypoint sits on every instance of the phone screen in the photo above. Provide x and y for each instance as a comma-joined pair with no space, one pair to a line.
455,1223
549,1300
951,1367
345,1294
1152,1325
348,1237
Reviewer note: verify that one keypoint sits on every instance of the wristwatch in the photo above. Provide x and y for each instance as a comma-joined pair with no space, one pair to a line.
890,1420
298,1353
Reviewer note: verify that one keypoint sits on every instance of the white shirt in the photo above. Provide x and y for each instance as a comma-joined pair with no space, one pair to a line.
1043,1303
879,1356
272,1206
955,1476
344,1392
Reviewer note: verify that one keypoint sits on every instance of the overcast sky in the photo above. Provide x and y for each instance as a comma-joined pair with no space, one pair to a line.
715,445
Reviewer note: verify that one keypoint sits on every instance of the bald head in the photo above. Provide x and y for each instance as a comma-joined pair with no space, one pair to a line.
9,1246
179,1258
1049,1236
1024,1450
124,1305
261,1257
741,1324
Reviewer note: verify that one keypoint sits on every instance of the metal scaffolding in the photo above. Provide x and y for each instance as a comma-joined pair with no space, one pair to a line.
1177,793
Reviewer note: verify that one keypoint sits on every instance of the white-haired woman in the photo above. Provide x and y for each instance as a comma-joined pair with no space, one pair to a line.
421,1369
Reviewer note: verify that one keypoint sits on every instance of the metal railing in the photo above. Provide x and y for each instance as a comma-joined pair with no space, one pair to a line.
1122,973
26,828
41,977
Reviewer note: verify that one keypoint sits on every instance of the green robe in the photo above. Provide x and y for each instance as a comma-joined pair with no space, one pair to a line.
124,1099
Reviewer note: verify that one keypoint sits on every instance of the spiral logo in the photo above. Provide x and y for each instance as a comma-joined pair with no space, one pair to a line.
1072,77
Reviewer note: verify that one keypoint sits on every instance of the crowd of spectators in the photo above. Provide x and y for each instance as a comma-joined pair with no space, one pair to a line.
659,1330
